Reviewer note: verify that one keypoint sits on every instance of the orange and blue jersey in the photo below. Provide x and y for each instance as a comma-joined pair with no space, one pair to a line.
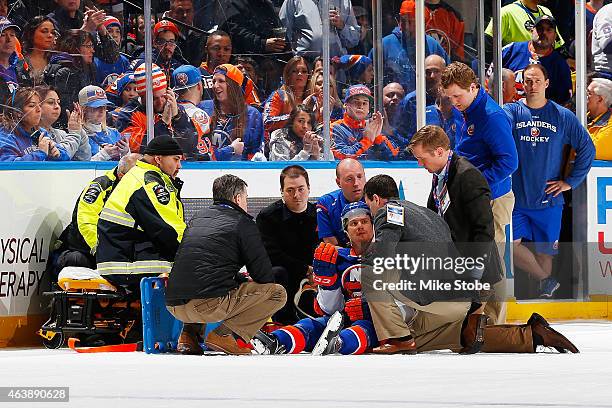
348,141
276,111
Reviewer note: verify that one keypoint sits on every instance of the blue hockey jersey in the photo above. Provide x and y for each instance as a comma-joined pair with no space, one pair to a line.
539,135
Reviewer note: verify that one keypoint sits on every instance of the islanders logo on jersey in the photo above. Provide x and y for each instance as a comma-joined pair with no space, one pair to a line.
535,132
351,281
470,130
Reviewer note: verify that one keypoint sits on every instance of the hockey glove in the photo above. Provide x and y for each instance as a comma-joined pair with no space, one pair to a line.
324,265
357,309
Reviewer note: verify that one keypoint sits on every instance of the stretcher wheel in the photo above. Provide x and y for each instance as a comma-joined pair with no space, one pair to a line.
56,342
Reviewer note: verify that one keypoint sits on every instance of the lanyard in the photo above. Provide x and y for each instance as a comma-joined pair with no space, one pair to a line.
438,199
529,13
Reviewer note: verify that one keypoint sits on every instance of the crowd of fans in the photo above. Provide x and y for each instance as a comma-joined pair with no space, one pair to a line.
242,80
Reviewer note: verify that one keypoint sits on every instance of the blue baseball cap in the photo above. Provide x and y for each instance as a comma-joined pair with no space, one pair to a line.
6,23
185,77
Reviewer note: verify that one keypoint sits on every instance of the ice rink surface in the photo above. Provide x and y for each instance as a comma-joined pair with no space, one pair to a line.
439,379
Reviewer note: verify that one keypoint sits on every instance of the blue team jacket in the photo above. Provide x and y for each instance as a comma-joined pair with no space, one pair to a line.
329,209
540,135
19,146
485,139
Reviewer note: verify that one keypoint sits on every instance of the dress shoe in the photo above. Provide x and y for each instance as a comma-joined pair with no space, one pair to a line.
472,336
225,343
544,335
396,346
188,344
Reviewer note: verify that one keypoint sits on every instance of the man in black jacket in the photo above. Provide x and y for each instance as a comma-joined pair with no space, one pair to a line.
206,285
460,194
289,231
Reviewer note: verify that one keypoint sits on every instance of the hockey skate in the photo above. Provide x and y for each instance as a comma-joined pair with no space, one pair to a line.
329,342
266,344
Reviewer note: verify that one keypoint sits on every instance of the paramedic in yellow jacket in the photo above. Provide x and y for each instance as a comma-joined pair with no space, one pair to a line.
599,102
141,224
79,239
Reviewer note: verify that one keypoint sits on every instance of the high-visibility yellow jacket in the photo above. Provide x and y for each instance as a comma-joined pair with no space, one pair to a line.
600,130
141,224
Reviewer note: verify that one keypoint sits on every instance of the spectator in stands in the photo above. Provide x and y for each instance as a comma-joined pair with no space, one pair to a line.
541,128
122,90
237,128
353,137
250,69
445,115
73,141
165,53
365,35
106,142
195,140
601,40
218,52
104,69
251,24
205,284
72,68
296,141
303,19
539,49
358,68
292,93
446,25
21,138
314,100
131,120
508,86
288,229
599,103
393,93
135,41
350,178
8,56
190,42
39,41
67,15
517,21
399,49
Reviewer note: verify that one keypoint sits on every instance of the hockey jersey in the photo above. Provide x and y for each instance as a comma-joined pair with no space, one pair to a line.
347,286
539,135
445,25
348,141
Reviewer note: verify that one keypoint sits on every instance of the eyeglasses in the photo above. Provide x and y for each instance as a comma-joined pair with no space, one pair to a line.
170,43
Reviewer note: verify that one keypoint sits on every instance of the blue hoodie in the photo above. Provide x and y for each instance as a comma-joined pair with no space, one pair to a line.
485,139
399,58
540,136
19,146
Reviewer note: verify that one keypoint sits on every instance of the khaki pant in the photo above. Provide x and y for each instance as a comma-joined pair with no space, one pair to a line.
243,310
502,215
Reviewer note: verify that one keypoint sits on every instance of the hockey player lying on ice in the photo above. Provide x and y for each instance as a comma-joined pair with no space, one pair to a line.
337,271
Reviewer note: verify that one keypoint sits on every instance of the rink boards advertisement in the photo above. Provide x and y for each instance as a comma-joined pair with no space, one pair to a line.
37,201
599,230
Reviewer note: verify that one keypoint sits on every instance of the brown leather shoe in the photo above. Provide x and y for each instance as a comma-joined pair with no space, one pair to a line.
225,343
544,335
472,336
188,344
396,346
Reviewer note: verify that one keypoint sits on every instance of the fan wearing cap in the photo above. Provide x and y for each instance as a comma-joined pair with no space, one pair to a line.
103,68
106,142
169,117
237,127
359,68
166,54
195,141
8,54
122,90
353,136
540,49
399,49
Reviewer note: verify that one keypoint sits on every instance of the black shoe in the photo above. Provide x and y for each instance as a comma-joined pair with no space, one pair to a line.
544,335
329,341
266,344
473,333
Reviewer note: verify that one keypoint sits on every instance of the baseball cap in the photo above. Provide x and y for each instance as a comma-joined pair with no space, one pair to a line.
545,18
165,25
356,90
408,8
359,11
185,77
355,64
6,23
158,77
231,72
92,96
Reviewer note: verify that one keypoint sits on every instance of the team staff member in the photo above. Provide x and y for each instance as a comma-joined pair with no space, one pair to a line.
141,224
541,128
350,177
80,236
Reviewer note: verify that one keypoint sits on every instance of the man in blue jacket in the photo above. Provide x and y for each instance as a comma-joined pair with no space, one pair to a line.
485,139
399,49
541,128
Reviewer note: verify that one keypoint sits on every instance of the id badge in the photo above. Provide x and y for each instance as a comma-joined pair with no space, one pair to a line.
445,204
395,214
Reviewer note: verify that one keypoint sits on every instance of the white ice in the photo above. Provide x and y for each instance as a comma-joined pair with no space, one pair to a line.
427,380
